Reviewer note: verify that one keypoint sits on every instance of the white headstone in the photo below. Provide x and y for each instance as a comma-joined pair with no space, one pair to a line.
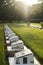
14,39
24,57
17,46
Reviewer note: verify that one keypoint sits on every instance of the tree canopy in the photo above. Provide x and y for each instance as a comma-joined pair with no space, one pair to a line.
17,12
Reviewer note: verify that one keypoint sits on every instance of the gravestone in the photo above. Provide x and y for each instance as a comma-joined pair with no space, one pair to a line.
18,45
11,35
24,57
14,39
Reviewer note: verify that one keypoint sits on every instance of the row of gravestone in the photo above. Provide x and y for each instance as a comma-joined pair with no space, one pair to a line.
22,54
16,44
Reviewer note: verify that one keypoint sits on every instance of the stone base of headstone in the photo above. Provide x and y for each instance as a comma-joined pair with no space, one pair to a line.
6,38
8,43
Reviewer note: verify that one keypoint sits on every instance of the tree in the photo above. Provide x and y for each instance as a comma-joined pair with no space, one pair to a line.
40,0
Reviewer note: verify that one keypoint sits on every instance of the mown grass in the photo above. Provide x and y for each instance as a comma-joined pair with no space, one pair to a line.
2,54
32,37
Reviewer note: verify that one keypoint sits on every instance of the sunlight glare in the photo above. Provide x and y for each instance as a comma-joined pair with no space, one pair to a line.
28,2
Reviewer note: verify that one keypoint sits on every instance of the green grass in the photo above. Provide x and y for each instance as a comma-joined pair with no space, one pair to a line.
32,37
2,54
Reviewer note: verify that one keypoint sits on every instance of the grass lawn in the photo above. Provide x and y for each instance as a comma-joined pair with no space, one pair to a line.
2,54
32,37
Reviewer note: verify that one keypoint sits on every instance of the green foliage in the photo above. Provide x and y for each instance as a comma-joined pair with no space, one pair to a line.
32,37
40,0
2,54
17,13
